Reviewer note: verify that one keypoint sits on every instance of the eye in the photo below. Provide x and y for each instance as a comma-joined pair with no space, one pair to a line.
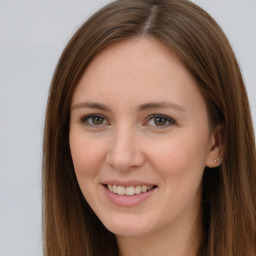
94,120
160,121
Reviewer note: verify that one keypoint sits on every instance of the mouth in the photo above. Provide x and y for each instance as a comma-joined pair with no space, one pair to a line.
129,190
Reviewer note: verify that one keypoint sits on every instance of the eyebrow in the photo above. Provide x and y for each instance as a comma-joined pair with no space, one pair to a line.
143,107
160,105
91,105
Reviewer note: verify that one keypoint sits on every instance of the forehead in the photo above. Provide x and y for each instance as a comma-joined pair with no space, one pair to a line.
136,70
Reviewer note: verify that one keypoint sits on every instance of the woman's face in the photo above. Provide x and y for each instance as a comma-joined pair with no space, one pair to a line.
140,139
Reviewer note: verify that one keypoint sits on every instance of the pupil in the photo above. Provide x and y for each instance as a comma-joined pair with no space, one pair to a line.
97,120
160,121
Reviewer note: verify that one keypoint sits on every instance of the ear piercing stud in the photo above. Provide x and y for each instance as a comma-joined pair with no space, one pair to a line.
217,160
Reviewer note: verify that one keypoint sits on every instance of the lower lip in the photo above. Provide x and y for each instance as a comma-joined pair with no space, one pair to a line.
128,201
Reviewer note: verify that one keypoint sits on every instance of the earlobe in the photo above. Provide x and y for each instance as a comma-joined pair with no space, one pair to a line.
216,148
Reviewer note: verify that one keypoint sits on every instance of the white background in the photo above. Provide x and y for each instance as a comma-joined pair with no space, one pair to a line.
32,35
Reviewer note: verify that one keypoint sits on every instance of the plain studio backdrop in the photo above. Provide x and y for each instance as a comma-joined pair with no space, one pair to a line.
32,37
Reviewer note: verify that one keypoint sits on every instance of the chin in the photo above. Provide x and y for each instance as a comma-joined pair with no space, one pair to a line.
128,227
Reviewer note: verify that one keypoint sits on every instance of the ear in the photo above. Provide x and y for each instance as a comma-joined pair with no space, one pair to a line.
216,148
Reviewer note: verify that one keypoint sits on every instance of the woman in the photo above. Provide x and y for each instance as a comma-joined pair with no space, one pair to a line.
149,147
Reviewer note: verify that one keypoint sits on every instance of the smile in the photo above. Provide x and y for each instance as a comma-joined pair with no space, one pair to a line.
129,193
130,190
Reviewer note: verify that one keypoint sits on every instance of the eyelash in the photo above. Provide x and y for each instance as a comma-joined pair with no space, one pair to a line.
170,121
167,119
85,121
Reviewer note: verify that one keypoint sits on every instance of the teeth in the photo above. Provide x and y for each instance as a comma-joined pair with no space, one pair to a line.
115,189
121,190
138,190
144,188
129,191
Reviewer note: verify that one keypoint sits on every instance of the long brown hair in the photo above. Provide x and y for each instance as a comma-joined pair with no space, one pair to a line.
229,192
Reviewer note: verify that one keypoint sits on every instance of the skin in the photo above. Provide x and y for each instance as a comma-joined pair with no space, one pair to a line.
129,144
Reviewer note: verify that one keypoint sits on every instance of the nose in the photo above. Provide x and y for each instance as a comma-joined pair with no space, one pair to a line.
125,151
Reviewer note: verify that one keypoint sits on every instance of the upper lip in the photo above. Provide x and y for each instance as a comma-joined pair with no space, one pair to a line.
128,183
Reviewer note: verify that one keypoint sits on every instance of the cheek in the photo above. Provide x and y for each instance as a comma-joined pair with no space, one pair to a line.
87,155
180,155
180,163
